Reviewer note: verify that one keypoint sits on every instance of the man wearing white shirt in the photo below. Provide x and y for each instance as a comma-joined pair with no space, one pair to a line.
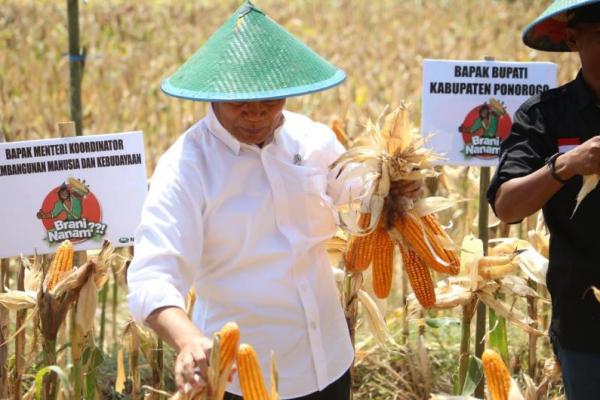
240,208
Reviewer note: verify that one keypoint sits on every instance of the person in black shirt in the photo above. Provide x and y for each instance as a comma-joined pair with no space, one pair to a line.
555,140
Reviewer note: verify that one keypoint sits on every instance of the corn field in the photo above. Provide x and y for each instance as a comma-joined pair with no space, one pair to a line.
66,332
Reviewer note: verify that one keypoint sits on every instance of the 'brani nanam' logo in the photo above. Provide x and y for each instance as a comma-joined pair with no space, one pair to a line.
484,128
71,211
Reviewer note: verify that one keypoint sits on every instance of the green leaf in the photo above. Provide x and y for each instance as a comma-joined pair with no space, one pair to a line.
39,378
474,375
85,357
90,385
97,357
455,385
442,322
498,338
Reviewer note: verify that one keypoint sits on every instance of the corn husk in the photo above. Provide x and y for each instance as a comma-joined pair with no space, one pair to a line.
533,264
86,306
375,320
16,300
589,183
274,392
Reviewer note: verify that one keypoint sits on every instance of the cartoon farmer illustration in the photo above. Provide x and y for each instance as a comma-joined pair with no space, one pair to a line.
487,124
69,203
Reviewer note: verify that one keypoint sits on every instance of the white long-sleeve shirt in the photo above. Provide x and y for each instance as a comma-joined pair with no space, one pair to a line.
247,228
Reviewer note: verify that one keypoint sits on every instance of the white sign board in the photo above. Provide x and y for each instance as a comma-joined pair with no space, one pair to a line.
86,189
468,106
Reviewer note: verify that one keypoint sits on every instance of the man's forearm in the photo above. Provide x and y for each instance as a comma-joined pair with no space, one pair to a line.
520,197
173,326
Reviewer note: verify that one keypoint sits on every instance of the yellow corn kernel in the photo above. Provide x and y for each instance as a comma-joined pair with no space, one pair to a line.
383,262
496,375
416,233
230,339
419,277
360,252
61,265
250,375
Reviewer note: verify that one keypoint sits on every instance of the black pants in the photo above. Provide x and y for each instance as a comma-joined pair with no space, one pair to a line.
338,390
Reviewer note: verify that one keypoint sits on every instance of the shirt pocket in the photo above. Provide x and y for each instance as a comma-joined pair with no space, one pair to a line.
311,214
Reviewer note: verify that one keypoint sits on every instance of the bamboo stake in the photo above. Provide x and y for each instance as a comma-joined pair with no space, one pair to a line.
115,302
532,310
103,301
351,285
76,63
468,311
405,327
3,324
68,129
19,340
3,335
484,182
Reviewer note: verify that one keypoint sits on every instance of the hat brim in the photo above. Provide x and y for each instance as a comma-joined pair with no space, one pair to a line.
187,94
548,32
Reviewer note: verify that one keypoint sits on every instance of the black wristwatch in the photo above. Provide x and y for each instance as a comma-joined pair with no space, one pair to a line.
550,163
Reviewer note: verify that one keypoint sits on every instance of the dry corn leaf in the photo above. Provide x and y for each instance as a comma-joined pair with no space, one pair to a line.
120,379
86,306
511,314
432,205
515,285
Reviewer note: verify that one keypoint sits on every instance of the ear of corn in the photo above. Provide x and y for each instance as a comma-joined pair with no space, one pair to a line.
383,262
250,375
419,277
422,236
496,375
61,265
230,338
360,252
490,261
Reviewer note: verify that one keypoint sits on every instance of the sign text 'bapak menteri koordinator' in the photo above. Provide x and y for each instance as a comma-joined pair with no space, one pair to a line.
85,189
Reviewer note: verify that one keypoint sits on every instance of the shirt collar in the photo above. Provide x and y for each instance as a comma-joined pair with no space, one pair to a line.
584,96
217,129
221,133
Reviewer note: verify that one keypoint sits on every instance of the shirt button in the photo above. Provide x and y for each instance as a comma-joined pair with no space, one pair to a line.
313,325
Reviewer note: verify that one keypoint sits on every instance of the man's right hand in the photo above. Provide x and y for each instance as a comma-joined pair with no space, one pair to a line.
193,348
192,361
582,160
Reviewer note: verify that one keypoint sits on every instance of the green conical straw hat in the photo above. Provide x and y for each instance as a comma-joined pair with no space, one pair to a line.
547,32
251,57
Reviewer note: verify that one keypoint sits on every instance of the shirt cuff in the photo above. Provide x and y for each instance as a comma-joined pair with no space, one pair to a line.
153,295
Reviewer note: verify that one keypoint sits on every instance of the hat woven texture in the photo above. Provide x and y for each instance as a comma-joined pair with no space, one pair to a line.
251,57
547,32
